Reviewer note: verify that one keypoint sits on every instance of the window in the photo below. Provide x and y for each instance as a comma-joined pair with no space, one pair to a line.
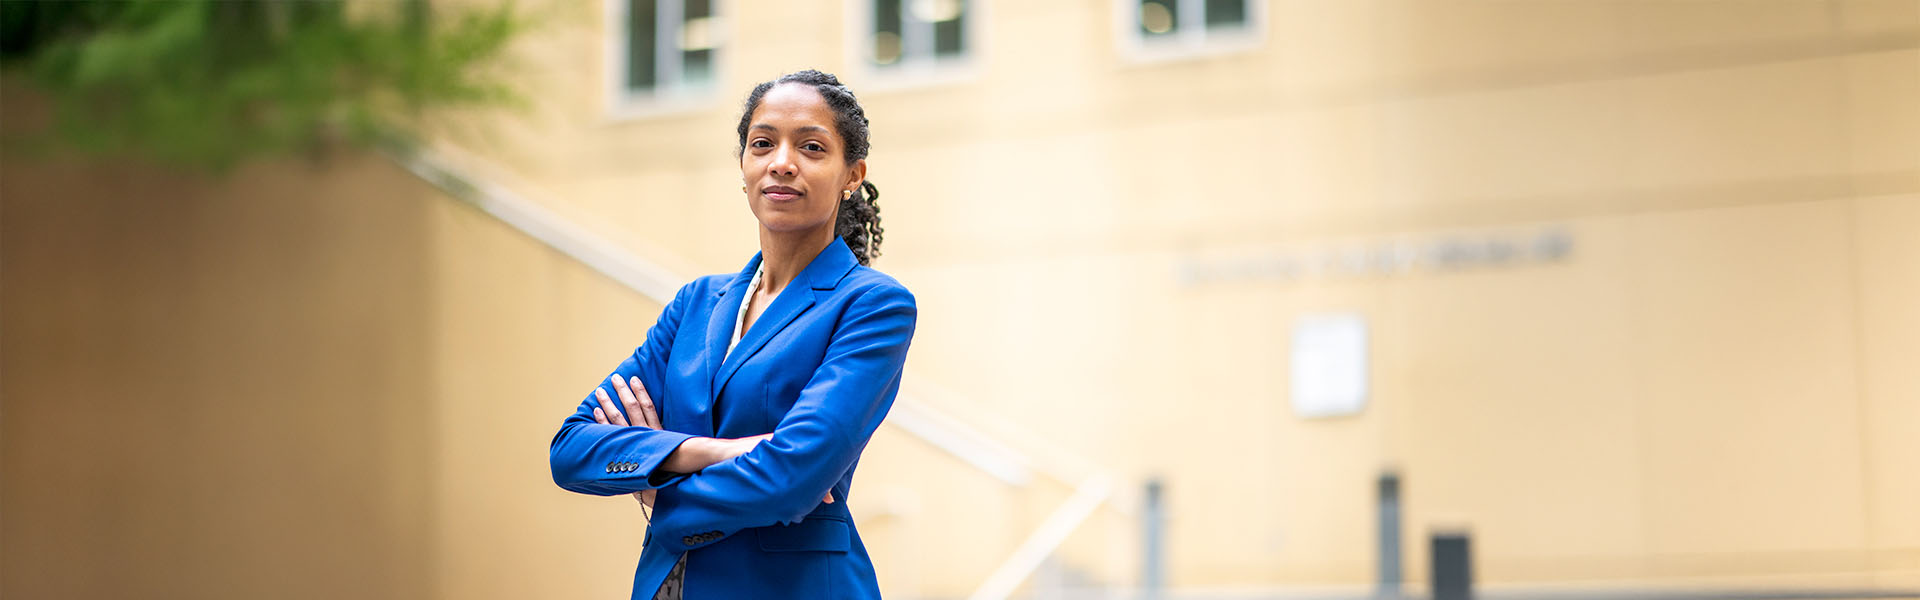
1163,27
915,35
664,50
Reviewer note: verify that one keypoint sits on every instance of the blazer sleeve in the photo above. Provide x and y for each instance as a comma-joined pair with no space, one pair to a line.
783,478
604,460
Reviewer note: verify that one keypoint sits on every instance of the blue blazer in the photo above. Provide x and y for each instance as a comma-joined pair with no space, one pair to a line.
818,369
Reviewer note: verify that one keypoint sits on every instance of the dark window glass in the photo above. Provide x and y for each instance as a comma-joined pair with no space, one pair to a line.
696,42
904,31
641,27
887,44
1226,13
949,36
1159,17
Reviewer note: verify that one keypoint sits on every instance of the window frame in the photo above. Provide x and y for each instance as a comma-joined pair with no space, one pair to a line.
926,71
670,94
1187,42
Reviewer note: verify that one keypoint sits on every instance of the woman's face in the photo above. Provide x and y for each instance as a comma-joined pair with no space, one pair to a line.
794,163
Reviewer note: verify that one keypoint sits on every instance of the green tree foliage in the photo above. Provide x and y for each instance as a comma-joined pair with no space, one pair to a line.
209,83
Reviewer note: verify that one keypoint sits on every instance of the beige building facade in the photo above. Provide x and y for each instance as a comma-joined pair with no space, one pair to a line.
1634,287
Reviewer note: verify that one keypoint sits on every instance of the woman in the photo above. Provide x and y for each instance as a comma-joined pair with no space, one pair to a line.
739,419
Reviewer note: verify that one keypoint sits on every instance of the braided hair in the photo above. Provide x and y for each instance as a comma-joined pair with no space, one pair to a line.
858,220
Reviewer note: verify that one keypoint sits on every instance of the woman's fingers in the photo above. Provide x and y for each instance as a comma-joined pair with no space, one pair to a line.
599,416
829,496
628,402
645,497
613,414
647,411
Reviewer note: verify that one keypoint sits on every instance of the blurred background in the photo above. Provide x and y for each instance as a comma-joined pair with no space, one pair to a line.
1218,299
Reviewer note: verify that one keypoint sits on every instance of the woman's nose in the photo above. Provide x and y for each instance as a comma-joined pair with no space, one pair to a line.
782,163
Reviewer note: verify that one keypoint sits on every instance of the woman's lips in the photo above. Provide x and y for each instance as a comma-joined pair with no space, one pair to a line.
780,193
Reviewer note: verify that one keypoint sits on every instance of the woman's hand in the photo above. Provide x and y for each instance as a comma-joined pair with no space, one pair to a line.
693,455
638,403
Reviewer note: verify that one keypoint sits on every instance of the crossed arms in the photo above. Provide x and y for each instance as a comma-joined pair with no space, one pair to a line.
707,485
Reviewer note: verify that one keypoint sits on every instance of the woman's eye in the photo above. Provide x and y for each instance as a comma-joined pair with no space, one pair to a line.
762,144
814,147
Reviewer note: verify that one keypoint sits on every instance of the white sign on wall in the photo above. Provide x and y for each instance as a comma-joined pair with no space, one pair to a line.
1328,375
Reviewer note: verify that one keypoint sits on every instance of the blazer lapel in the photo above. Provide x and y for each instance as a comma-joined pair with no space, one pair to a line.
786,307
726,309
824,273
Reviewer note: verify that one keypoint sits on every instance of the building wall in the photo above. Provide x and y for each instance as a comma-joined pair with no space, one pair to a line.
1712,387
1708,386
215,389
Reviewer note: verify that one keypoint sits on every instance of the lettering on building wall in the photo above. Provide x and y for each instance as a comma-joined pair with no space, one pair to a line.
1384,258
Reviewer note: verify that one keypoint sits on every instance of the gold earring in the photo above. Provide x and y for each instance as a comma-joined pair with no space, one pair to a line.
846,194
743,189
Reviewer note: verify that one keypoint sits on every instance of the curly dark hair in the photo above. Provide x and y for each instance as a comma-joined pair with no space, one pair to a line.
858,221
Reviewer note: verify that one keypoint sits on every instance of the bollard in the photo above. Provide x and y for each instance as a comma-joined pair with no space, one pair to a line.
1452,573
1153,565
1388,577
